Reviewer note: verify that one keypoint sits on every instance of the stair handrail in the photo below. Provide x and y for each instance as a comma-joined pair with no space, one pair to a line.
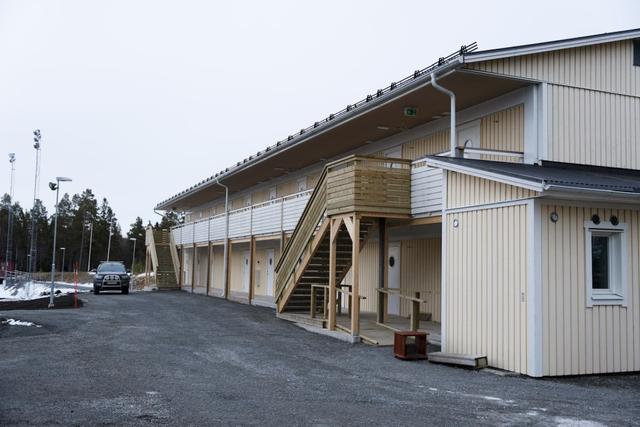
151,244
285,264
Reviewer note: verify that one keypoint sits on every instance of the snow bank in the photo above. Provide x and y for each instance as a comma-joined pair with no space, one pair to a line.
33,290
14,322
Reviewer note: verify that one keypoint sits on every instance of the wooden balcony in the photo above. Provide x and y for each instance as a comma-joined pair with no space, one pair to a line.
368,185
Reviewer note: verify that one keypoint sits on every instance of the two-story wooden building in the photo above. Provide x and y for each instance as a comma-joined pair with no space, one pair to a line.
492,197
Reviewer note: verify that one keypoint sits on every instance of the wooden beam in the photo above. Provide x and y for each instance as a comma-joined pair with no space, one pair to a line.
382,261
349,223
355,274
193,267
252,269
332,276
209,249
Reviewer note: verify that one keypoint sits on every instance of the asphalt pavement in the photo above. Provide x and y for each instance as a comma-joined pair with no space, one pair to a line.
181,359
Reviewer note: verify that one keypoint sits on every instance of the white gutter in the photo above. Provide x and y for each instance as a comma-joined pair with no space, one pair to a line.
225,256
452,95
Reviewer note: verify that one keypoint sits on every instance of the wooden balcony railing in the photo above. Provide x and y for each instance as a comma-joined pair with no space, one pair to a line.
369,185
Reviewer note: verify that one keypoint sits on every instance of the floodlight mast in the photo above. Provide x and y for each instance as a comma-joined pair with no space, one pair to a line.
55,186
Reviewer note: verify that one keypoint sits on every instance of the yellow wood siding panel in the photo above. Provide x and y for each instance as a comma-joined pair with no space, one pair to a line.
578,339
465,190
420,271
606,67
486,309
595,128
217,267
427,145
504,131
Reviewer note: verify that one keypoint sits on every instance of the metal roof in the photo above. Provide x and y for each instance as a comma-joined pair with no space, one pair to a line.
547,175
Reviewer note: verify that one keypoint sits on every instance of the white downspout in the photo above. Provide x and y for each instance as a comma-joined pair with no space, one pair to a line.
452,95
225,256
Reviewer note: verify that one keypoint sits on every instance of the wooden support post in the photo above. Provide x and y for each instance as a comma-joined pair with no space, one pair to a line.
193,267
355,274
252,268
227,281
332,274
181,272
325,296
312,308
209,247
382,260
415,313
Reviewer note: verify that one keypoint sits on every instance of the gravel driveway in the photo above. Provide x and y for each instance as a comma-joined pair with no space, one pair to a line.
181,359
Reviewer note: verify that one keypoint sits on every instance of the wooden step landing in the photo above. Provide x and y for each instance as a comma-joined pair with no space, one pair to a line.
301,318
470,360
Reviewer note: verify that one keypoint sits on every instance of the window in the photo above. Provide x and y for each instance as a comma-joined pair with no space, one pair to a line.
302,184
272,193
606,262
247,200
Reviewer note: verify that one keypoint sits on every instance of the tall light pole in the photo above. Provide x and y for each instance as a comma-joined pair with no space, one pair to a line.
110,234
90,242
62,267
34,224
56,187
7,259
133,257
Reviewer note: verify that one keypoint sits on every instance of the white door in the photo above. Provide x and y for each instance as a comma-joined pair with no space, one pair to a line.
393,261
271,263
246,271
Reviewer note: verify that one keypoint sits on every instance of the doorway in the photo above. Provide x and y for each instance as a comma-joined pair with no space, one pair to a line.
393,261
246,271
270,271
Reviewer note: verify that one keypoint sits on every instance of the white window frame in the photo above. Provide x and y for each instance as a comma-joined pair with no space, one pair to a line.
302,184
618,264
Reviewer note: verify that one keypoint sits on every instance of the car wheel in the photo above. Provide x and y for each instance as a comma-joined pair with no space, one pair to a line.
96,291
125,291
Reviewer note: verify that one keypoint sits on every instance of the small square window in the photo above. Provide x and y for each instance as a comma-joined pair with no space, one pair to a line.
606,263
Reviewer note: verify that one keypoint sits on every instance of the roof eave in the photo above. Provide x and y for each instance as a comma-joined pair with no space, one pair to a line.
551,46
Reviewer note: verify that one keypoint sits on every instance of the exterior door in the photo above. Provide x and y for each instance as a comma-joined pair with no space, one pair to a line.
271,263
393,261
246,271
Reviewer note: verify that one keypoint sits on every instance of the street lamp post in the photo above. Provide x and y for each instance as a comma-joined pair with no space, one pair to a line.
64,250
133,256
55,186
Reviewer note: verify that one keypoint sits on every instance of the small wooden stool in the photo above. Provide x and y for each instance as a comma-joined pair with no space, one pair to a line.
403,351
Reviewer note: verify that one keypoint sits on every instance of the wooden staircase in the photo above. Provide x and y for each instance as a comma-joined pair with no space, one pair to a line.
165,274
355,187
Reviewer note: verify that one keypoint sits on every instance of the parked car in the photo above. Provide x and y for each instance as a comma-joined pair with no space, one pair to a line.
111,276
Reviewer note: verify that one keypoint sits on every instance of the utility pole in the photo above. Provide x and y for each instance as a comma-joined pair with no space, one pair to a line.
34,224
90,241
7,259
110,234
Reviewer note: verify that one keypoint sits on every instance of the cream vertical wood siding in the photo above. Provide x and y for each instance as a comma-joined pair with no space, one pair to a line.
420,271
595,128
606,67
236,258
420,266
217,269
578,339
486,284
200,283
187,267
503,131
465,190
435,143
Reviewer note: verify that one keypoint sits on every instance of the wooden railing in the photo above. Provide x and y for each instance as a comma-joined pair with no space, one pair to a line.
369,185
303,233
415,305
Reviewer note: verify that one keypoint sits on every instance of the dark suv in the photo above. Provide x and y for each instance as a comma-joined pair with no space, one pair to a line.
111,276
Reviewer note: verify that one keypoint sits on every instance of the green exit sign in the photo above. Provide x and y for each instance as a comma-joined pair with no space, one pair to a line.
410,111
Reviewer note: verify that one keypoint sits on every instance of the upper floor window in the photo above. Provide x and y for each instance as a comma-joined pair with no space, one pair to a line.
302,184
272,193
606,262
247,200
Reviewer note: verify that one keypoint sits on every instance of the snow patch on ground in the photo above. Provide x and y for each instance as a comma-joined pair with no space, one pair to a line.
33,290
14,322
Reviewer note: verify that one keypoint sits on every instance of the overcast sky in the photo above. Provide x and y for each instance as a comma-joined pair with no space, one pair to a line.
138,100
